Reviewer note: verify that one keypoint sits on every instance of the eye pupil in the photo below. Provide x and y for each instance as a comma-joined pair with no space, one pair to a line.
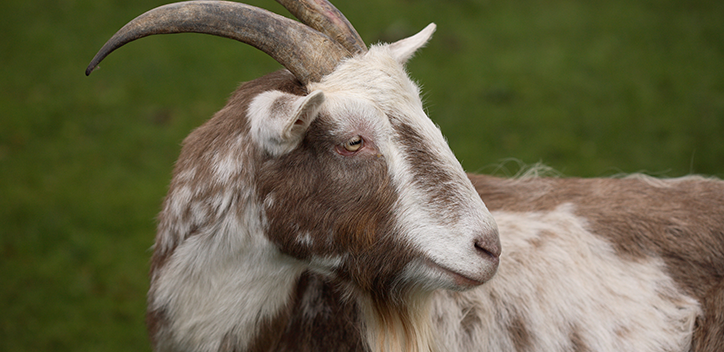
353,144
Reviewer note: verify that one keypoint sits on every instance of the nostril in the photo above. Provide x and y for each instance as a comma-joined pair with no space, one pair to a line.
480,248
483,251
486,246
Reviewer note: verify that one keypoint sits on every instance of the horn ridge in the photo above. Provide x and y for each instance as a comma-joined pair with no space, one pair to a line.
307,53
326,18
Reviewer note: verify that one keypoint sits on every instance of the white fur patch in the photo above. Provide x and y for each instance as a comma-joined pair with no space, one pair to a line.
305,239
559,288
224,280
326,265
404,49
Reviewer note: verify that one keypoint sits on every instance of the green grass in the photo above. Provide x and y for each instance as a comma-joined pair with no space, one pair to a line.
590,88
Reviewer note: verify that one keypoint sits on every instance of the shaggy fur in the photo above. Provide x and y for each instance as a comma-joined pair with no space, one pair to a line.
276,237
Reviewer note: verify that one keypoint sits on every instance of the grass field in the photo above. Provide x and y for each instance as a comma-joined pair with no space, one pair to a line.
590,88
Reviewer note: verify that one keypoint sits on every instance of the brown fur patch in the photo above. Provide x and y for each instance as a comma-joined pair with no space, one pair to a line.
312,200
577,342
709,330
321,319
543,238
269,333
430,175
519,333
623,332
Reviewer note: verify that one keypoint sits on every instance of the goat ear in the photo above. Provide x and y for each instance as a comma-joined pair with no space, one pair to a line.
402,50
280,120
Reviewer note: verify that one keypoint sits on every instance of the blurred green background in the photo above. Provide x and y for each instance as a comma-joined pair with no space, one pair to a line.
590,88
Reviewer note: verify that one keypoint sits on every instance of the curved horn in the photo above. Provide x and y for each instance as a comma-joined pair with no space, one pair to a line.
308,54
324,17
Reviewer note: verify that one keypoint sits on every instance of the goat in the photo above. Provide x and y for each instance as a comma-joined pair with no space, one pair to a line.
322,210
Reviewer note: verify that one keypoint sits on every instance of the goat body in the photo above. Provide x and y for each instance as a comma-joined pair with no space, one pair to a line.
322,210
632,264
588,265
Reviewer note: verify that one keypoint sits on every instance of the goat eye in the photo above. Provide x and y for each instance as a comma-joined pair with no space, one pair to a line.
353,144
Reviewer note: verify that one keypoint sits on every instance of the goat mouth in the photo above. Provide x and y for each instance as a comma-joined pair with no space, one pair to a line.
459,279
